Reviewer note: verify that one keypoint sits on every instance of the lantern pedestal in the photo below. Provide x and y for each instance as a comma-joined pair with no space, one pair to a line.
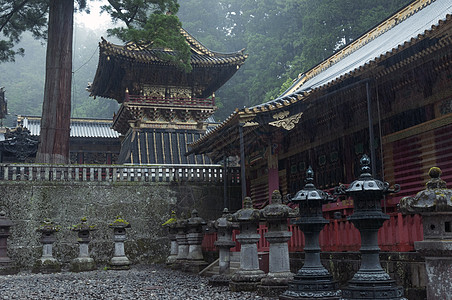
248,277
224,243
7,266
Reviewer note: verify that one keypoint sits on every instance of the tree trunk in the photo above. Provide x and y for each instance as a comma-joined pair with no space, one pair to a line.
56,108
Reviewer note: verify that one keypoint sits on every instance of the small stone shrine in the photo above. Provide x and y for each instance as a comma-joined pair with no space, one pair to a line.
224,242
7,266
248,277
195,258
312,281
47,263
83,262
276,214
434,204
182,243
371,281
119,261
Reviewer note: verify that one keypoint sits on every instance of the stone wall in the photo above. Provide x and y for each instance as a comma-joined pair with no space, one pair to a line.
145,205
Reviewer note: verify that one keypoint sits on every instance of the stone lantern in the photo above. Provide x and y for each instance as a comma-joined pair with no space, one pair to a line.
171,259
276,214
47,263
182,243
312,281
172,231
434,204
83,262
119,261
195,235
224,242
371,281
248,277
6,264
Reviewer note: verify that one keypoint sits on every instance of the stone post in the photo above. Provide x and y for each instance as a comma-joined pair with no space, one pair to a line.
83,262
276,214
119,261
171,259
248,277
7,266
312,281
47,263
371,281
182,243
224,242
171,224
434,204
195,259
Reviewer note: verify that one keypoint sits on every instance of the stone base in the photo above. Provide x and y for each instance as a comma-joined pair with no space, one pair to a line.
328,295
318,285
274,284
46,266
171,260
82,264
246,280
8,268
119,263
373,290
194,266
220,280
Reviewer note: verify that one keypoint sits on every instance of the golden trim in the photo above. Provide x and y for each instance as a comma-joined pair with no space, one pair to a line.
155,148
171,147
361,41
178,147
281,115
163,147
193,138
147,146
139,147
287,123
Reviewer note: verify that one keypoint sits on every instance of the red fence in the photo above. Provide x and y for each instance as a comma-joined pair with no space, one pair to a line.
398,234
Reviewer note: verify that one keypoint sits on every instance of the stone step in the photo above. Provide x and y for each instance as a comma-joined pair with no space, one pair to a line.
214,269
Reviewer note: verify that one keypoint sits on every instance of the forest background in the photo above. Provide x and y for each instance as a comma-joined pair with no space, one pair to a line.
283,38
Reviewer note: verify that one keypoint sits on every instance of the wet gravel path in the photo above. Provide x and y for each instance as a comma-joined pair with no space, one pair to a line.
142,282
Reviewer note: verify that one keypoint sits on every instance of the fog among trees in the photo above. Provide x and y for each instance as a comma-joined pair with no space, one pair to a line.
282,38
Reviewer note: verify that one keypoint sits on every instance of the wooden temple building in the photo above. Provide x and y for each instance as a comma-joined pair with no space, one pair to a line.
387,94
163,108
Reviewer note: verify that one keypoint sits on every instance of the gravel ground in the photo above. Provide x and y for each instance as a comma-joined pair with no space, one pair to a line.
142,282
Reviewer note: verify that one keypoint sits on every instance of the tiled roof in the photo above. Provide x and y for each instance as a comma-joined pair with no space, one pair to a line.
80,128
407,27
201,56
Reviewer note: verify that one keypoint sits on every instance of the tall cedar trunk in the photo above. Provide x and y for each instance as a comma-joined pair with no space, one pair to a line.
56,108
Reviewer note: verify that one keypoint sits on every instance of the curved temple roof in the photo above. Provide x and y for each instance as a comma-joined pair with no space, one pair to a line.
116,60
407,27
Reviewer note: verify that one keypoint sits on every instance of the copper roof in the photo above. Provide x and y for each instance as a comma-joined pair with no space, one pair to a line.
412,24
201,56
80,127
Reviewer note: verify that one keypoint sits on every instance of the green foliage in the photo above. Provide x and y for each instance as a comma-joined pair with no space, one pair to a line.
158,30
17,17
282,38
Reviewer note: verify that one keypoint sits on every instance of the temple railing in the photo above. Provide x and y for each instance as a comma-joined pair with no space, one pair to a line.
398,234
116,173
179,101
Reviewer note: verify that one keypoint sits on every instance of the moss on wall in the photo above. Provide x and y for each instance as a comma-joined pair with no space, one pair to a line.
145,205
